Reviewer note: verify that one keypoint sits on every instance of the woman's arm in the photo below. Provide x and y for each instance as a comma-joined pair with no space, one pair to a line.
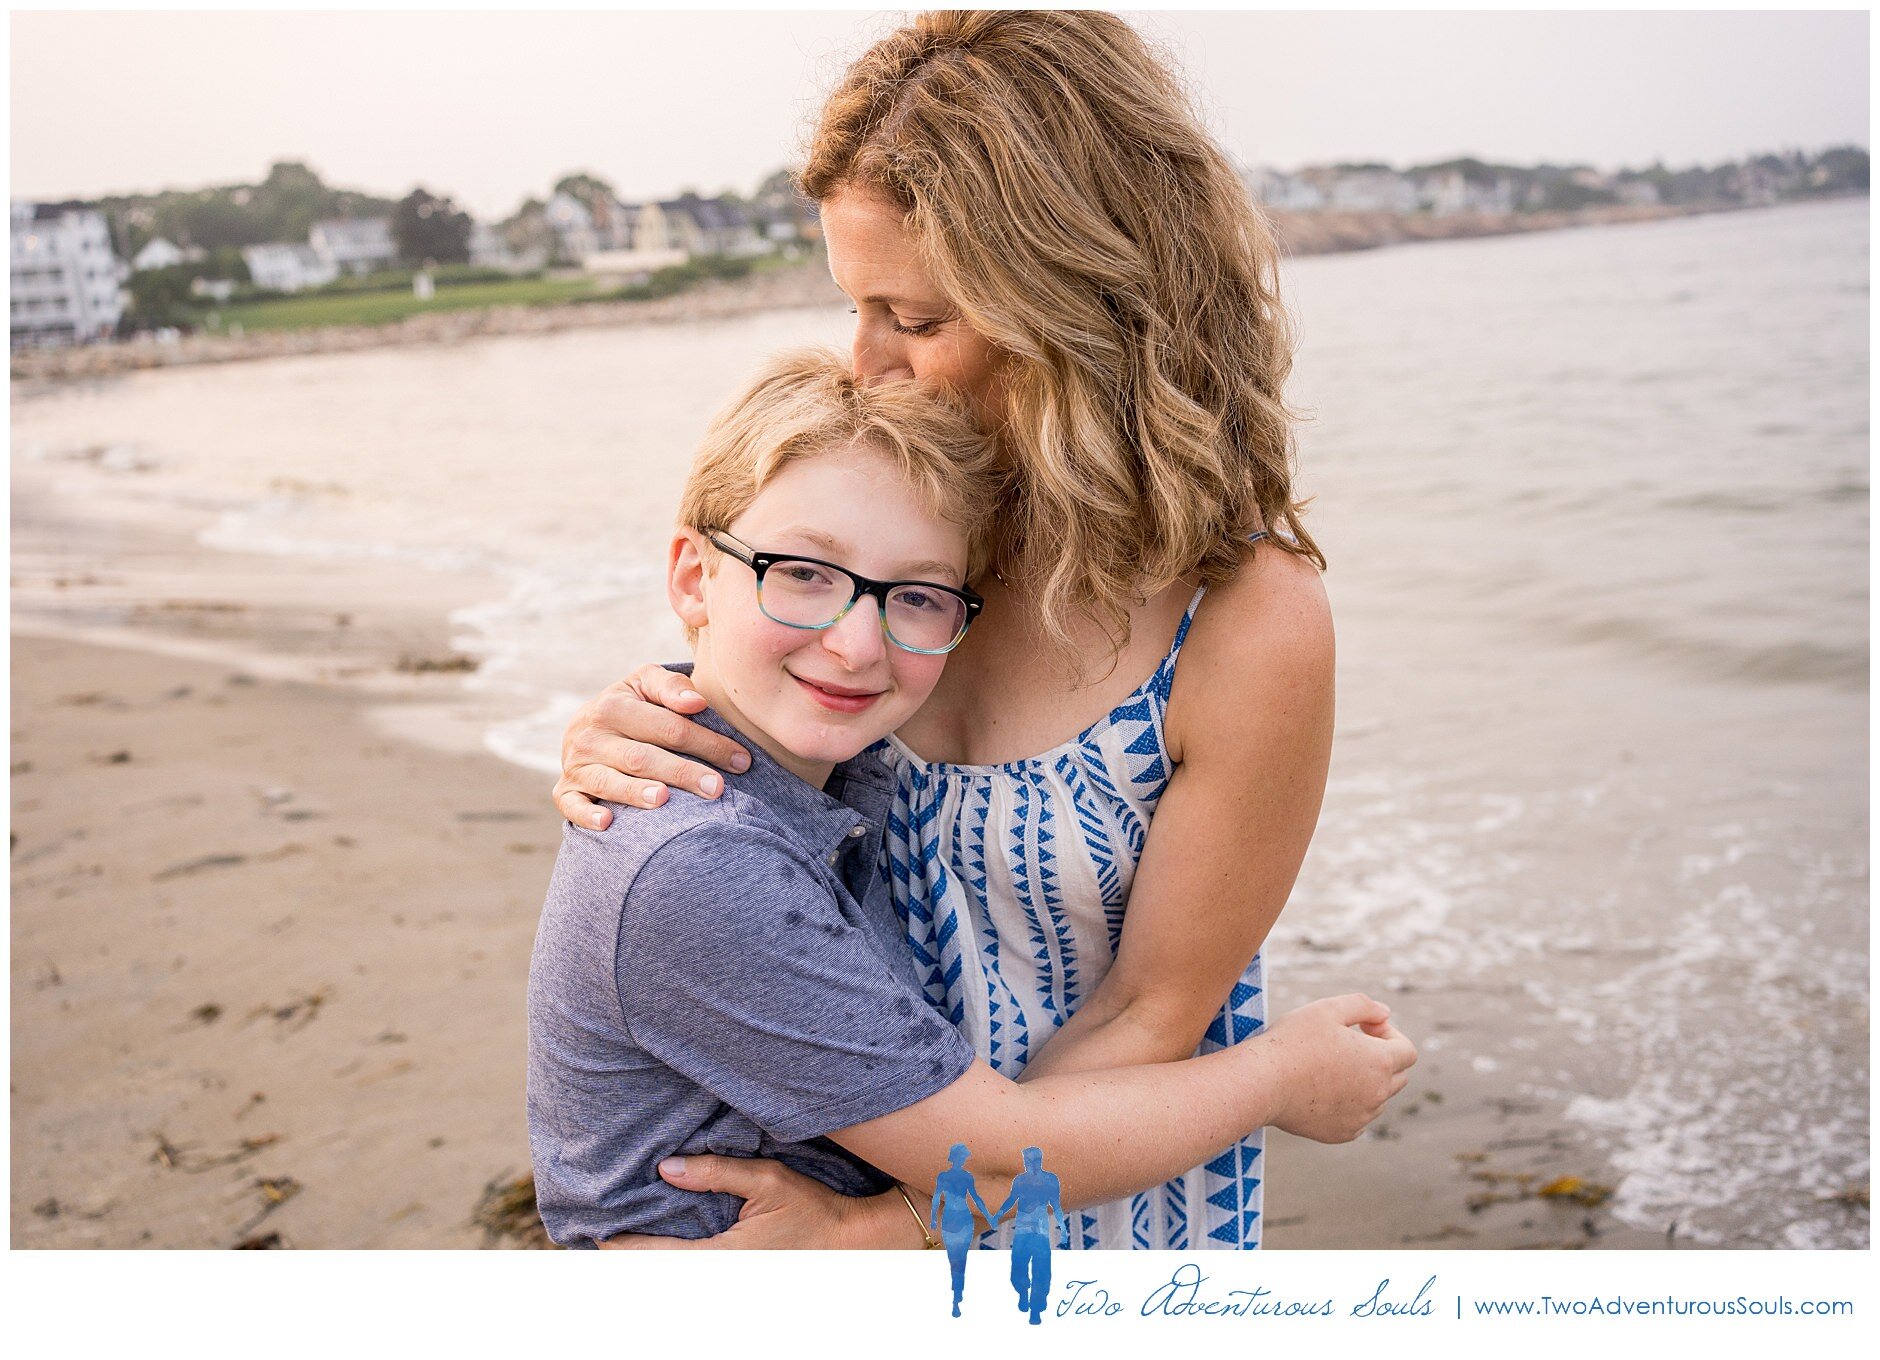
1324,1072
1250,728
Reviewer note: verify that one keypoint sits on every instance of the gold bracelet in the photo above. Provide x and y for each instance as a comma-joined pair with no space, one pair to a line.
908,1200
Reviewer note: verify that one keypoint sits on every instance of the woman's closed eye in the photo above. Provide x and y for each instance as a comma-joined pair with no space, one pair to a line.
900,327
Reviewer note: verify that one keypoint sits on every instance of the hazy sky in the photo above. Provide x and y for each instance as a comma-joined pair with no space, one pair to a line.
492,107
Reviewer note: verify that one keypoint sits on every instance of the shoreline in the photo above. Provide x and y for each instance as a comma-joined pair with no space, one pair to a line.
1300,234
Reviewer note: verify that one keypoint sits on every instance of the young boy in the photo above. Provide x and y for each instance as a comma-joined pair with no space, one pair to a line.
696,963
730,976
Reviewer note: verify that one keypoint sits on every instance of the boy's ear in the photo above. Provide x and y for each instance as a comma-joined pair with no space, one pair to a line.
685,578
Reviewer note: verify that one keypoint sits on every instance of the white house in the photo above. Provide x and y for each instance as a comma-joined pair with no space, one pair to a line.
1638,192
355,245
65,278
490,249
630,266
287,268
161,254
1373,191
1285,193
1449,192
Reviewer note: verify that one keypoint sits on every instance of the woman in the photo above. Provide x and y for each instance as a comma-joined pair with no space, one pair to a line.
1090,845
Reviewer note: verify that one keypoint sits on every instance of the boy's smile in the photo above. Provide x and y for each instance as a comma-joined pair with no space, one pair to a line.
837,697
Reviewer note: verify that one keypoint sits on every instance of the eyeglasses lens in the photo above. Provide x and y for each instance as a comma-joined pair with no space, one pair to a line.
809,595
926,620
804,594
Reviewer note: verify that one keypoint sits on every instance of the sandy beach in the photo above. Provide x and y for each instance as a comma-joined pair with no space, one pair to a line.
268,963
272,914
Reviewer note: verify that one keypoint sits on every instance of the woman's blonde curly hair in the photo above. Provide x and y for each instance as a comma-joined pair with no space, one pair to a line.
1069,202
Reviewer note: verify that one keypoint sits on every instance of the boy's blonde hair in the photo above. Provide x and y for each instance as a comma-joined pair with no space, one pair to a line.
806,401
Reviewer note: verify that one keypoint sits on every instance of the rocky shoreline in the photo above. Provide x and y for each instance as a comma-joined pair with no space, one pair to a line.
1329,233
772,290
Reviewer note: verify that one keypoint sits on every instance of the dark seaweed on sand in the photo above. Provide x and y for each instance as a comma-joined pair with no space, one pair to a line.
508,1216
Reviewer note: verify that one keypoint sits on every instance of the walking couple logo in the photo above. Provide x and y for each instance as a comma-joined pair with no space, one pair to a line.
1037,1216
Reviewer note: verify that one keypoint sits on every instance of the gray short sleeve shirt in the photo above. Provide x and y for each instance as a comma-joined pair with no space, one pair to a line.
724,976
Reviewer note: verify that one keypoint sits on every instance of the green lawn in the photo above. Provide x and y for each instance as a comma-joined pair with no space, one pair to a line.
377,309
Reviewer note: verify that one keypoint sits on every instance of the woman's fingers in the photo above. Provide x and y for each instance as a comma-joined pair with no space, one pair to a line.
572,799
629,745
646,739
1355,1008
746,1177
1403,1053
578,810
603,764
668,689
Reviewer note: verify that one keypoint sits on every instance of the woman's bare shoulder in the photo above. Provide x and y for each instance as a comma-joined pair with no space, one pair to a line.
1261,640
1274,606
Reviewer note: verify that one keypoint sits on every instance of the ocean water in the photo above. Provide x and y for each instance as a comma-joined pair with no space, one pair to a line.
1596,506
1596,509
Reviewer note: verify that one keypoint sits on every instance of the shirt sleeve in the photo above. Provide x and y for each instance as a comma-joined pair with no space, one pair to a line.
737,968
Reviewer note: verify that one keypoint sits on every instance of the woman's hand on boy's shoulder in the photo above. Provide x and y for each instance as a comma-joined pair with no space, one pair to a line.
625,745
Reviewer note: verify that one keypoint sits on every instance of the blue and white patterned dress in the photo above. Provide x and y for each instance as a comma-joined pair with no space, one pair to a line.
1012,880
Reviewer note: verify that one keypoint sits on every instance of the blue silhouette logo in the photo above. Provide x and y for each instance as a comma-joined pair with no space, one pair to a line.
1037,1215
953,1198
1037,1208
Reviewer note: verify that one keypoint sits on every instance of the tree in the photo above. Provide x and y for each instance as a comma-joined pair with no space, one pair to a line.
160,297
585,187
427,227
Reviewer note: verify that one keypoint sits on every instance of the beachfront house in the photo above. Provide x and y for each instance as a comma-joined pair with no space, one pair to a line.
490,248
1372,189
644,236
161,254
1446,193
672,230
615,267
287,267
1285,193
355,245
709,226
613,222
1641,193
66,281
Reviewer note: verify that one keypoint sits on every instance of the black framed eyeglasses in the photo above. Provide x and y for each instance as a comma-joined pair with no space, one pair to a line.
805,592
